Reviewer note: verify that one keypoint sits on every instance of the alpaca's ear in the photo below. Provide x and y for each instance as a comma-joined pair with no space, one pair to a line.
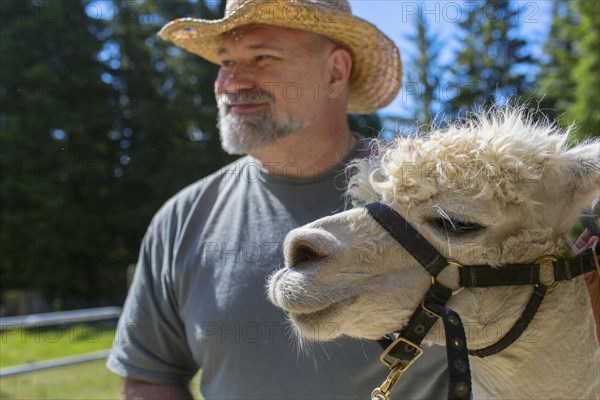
584,169
570,185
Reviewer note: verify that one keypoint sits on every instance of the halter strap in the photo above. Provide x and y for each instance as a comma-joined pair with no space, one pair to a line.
525,274
408,237
518,328
419,324
405,348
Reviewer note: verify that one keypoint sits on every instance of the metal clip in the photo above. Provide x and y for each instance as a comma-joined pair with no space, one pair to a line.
384,392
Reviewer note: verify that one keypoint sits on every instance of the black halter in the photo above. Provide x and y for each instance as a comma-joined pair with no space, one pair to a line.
403,348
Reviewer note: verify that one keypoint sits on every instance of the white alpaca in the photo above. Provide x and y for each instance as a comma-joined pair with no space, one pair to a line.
497,190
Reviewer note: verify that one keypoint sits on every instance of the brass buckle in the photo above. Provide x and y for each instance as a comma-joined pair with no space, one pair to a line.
396,362
595,257
383,392
455,291
552,259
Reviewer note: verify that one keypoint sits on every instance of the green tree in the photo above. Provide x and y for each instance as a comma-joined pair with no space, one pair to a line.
424,72
586,107
569,76
556,87
165,126
56,161
100,124
492,66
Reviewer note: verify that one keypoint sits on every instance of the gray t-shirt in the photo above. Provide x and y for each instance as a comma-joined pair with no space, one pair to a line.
198,297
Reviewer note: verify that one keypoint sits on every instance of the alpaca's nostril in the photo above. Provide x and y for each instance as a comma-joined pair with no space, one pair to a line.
304,254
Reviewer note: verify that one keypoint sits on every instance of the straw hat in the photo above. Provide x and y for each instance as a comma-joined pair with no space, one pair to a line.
376,72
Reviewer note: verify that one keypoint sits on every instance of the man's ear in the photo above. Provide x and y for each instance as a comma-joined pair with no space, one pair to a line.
340,67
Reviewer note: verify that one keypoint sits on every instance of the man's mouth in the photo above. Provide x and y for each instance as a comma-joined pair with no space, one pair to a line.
245,107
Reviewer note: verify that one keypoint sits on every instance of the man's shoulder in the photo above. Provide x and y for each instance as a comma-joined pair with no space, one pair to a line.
206,189
215,178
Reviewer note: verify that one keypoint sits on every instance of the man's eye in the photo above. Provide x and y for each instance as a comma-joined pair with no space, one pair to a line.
262,57
227,63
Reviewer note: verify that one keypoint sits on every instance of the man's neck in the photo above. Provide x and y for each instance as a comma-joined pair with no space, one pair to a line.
304,154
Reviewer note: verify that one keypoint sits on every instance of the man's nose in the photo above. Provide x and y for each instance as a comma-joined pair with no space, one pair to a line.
234,80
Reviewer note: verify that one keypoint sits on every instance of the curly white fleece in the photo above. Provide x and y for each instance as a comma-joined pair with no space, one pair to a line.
488,155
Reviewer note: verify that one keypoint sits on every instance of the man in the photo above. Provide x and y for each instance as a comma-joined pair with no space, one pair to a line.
290,72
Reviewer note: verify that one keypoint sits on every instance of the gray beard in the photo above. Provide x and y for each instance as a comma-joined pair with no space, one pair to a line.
245,133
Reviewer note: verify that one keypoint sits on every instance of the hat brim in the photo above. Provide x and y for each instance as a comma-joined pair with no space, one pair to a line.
377,69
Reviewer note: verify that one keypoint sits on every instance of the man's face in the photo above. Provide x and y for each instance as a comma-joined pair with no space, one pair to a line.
268,84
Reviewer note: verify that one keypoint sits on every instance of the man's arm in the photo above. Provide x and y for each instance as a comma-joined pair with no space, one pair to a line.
140,390
150,340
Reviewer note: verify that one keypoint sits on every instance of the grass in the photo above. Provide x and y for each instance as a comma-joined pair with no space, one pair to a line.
82,381
89,380
31,345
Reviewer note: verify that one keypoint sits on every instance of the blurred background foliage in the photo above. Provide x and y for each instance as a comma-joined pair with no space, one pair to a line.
101,122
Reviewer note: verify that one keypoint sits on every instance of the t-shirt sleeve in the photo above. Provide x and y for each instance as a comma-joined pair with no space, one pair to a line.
150,342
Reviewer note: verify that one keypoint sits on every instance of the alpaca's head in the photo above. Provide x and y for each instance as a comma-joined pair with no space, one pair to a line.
499,189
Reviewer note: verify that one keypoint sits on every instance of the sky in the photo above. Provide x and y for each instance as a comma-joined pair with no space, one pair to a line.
397,19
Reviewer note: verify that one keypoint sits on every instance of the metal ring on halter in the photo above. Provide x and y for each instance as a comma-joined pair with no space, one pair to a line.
551,259
457,265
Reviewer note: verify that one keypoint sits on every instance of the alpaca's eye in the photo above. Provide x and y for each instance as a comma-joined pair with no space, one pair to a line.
456,225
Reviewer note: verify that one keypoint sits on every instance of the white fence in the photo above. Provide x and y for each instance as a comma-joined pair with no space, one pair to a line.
56,318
